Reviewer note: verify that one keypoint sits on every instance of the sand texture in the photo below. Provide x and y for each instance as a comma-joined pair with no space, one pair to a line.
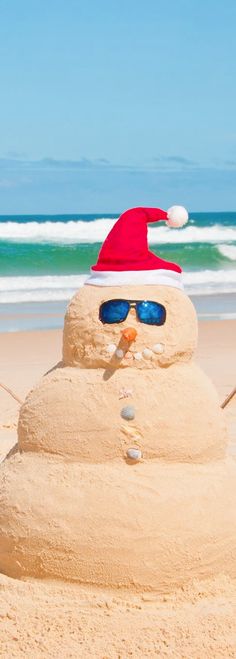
45,618
86,339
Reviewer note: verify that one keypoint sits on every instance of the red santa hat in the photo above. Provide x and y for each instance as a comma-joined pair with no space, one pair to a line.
125,258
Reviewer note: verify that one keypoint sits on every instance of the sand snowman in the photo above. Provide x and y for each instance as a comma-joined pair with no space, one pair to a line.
121,478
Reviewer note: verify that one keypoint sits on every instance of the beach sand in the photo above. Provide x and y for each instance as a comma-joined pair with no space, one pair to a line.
45,619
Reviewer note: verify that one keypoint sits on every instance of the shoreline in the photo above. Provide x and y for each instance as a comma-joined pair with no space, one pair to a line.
46,315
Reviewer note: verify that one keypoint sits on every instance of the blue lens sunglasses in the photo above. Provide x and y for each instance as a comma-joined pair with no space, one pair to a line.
116,311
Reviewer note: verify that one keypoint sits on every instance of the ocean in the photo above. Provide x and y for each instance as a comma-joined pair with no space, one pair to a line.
45,259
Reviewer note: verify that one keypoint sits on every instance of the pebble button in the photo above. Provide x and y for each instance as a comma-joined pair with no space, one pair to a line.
134,454
128,412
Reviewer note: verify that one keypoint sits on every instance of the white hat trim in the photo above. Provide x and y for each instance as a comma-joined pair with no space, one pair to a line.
133,277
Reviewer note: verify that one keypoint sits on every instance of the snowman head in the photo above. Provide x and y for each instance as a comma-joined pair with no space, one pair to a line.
129,326
132,311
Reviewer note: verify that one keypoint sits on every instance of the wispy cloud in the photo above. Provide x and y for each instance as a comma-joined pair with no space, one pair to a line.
160,163
6,183
178,160
14,181
48,163
16,154
173,163
230,163
103,161
84,185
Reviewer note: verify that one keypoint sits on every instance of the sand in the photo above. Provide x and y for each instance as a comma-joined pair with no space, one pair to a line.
42,618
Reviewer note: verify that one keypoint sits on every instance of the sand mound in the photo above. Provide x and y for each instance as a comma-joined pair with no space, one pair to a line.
49,620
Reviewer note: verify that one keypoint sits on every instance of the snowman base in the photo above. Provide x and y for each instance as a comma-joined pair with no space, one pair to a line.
152,526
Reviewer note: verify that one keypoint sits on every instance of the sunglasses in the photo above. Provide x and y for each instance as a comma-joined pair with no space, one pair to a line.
116,311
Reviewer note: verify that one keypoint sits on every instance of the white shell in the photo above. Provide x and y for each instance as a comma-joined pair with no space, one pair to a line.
147,353
111,347
158,348
119,353
134,454
125,393
138,356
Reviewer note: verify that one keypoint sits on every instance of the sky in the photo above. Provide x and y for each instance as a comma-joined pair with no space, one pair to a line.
107,105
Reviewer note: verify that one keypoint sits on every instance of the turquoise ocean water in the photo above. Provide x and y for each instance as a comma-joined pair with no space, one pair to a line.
44,259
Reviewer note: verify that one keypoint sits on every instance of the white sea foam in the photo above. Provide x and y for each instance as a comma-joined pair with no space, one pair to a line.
206,282
39,289
229,251
96,231
45,282
56,288
56,232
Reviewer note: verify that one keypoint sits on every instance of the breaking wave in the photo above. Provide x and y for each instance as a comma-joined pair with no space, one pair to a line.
81,231
58,288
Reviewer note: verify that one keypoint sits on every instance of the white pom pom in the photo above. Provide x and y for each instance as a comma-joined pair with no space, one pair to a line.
177,216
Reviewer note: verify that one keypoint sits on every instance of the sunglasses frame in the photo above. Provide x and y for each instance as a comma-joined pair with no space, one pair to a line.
132,305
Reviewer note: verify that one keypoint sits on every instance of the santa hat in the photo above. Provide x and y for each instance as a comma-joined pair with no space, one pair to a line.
125,258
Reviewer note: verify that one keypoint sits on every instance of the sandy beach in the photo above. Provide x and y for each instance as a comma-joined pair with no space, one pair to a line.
117,331
42,618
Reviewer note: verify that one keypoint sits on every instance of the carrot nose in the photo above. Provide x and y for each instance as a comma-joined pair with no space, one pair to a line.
129,333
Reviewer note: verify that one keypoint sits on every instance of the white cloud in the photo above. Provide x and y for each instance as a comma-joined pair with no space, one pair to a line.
6,183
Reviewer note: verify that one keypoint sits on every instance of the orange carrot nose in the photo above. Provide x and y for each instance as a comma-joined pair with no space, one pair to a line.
129,333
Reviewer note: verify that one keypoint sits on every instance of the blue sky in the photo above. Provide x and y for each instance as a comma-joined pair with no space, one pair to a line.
108,104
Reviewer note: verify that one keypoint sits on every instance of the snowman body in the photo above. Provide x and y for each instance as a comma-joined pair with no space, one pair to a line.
161,402
75,504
